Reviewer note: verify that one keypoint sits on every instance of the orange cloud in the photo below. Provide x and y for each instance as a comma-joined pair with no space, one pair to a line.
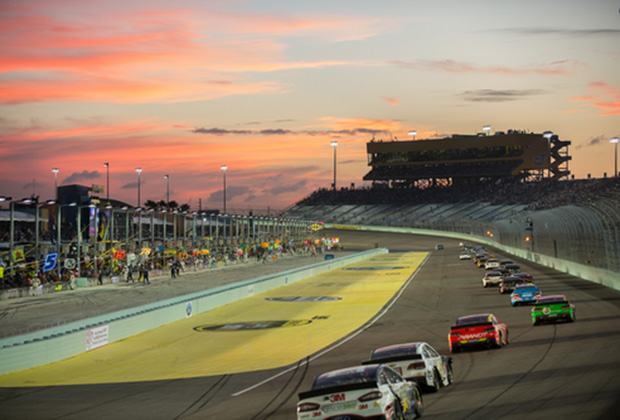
606,98
391,101
150,56
366,123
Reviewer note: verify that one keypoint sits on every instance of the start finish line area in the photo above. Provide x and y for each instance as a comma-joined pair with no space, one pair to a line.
270,330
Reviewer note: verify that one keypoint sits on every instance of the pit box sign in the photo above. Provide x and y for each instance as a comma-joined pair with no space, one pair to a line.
97,337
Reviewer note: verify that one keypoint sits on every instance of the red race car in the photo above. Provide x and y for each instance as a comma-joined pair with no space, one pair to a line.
477,330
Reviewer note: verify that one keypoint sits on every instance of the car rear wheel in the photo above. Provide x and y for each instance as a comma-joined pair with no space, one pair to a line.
418,403
499,342
450,374
436,381
536,321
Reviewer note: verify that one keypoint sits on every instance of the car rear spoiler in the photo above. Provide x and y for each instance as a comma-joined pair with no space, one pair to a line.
393,359
477,324
333,389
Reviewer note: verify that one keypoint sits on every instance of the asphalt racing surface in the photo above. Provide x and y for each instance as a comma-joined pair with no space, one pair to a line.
546,372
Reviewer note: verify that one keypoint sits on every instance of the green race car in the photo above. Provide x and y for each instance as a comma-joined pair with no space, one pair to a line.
553,308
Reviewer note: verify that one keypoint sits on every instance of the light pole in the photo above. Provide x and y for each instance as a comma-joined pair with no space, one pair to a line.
107,185
614,140
413,133
139,210
548,135
487,129
55,170
224,168
167,190
165,213
334,144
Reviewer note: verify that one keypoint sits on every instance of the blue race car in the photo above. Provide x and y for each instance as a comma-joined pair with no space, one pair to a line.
525,294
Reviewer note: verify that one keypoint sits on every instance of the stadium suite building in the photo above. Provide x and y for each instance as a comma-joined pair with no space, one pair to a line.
468,159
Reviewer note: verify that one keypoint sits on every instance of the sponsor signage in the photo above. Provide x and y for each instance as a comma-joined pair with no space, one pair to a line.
97,337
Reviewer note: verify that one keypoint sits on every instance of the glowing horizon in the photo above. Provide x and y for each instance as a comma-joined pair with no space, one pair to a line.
180,88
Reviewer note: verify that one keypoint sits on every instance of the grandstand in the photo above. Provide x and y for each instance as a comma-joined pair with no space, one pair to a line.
575,220
467,159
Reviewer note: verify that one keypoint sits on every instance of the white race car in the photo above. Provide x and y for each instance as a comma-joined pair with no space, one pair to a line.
492,278
417,362
465,255
361,392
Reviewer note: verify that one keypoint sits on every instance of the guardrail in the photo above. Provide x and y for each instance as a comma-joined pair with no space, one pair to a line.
599,275
61,342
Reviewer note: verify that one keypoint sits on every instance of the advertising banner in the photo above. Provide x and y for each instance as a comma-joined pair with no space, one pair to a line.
97,337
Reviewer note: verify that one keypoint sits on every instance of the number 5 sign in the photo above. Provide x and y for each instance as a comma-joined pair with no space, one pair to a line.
50,261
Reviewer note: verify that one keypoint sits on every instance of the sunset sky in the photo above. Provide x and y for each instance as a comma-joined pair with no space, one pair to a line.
182,87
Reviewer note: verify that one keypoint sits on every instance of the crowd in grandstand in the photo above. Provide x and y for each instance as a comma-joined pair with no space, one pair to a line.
540,195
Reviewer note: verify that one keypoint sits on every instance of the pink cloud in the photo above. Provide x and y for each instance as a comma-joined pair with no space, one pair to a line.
391,101
160,56
606,98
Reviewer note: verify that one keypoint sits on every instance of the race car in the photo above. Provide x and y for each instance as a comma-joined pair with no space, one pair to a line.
553,308
417,362
527,278
373,391
491,264
482,261
491,278
477,330
465,255
508,284
524,294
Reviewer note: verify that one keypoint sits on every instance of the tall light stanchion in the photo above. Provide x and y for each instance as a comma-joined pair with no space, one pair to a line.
58,239
413,134
107,182
224,168
37,208
55,171
139,210
79,239
334,144
548,135
12,233
165,214
111,235
614,140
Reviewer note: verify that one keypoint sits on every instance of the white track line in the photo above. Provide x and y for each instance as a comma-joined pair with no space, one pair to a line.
338,344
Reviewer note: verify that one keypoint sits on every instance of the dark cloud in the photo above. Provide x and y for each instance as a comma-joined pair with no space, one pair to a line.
220,131
595,141
133,185
492,95
279,131
552,31
34,185
276,131
232,192
81,176
282,189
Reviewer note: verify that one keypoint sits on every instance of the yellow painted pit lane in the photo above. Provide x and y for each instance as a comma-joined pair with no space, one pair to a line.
266,331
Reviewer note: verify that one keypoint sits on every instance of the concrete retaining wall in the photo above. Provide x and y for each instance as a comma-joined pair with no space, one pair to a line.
598,275
61,342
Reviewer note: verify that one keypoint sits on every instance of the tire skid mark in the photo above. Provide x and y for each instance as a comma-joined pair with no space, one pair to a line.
306,364
205,398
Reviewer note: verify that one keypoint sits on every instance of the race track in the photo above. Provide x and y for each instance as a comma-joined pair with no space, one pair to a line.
546,372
